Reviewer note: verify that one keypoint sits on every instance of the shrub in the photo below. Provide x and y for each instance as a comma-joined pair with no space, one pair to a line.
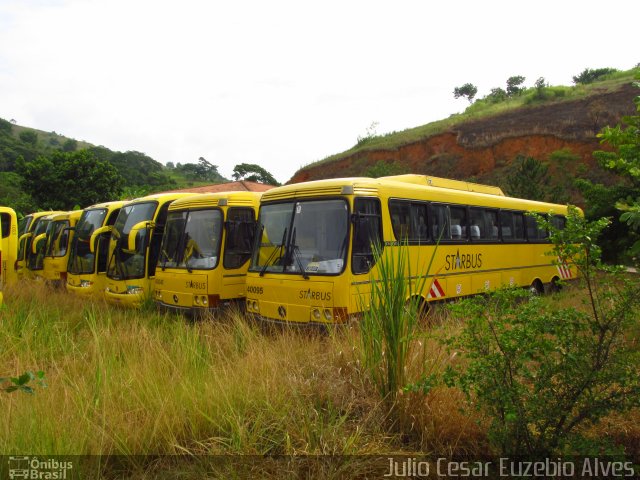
541,376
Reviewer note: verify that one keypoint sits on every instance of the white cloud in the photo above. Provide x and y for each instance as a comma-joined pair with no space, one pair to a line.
280,83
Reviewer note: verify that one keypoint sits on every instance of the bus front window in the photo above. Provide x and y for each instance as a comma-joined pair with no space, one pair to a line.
58,239
302,237
81,259
125,264
191,240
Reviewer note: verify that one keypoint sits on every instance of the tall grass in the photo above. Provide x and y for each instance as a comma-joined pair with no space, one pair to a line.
390,319
141,383
125,383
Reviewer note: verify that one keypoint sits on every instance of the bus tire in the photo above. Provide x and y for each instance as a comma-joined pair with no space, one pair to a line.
554,286
536,287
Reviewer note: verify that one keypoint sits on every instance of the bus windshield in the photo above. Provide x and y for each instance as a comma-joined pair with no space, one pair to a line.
126,265
35,261
302,237
58,239
191,240
81,259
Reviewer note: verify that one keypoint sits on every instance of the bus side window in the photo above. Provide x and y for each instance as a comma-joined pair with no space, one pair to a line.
240,230
534,232
400,220
484,224
5,219
419,228
367,231
440,224
559,222
459,230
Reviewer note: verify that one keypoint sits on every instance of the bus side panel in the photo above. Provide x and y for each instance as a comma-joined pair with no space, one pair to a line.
9,245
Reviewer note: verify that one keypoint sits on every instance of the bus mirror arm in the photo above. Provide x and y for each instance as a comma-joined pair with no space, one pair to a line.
35,242
24,236
133,234
95,234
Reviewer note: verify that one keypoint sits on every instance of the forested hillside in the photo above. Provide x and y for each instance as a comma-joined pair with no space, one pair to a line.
44,170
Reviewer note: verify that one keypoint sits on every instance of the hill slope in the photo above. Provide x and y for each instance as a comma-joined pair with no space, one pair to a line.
482,147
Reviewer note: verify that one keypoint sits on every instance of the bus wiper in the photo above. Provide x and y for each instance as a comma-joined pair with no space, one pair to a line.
116,255
164,255
268,262
294,251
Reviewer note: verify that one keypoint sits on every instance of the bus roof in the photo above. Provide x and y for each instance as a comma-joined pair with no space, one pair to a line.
73,214
411,186
218,199
160,197
112,204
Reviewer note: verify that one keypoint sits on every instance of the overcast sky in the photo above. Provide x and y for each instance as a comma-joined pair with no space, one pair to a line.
282,83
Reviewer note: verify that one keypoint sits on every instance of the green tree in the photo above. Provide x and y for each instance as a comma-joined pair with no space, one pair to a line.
497,95
625,161
589,75
207,171
467,90
513,85
253,173
563,164
12,195
528,178
65,179
29,136
136,168
70,145
5,127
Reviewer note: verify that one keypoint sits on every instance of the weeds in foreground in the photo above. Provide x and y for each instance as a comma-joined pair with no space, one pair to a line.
542,375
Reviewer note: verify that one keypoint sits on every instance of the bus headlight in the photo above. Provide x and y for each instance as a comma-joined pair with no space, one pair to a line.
328,315
204,301
315,313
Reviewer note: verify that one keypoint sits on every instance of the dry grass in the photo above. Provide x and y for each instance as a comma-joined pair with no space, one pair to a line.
141,383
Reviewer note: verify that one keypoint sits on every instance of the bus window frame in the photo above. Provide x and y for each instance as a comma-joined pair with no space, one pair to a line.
356,217
524,226
227,229
410,239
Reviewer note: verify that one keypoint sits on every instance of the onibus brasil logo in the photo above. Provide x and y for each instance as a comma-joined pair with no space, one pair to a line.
38,468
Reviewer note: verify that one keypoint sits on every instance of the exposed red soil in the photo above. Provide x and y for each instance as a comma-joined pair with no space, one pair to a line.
477,149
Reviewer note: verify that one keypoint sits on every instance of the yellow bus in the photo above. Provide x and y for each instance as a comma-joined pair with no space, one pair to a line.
134,248
87,266
8,247
205,251
26,233
313,262
56,249
35,254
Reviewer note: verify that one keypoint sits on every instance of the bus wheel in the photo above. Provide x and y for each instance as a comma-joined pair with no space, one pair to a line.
554,286
422,309
536,287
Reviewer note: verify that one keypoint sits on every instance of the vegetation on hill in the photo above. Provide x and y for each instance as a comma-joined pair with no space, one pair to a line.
496,102
43,170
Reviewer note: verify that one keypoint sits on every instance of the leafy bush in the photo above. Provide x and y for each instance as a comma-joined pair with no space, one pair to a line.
590,75
541,376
